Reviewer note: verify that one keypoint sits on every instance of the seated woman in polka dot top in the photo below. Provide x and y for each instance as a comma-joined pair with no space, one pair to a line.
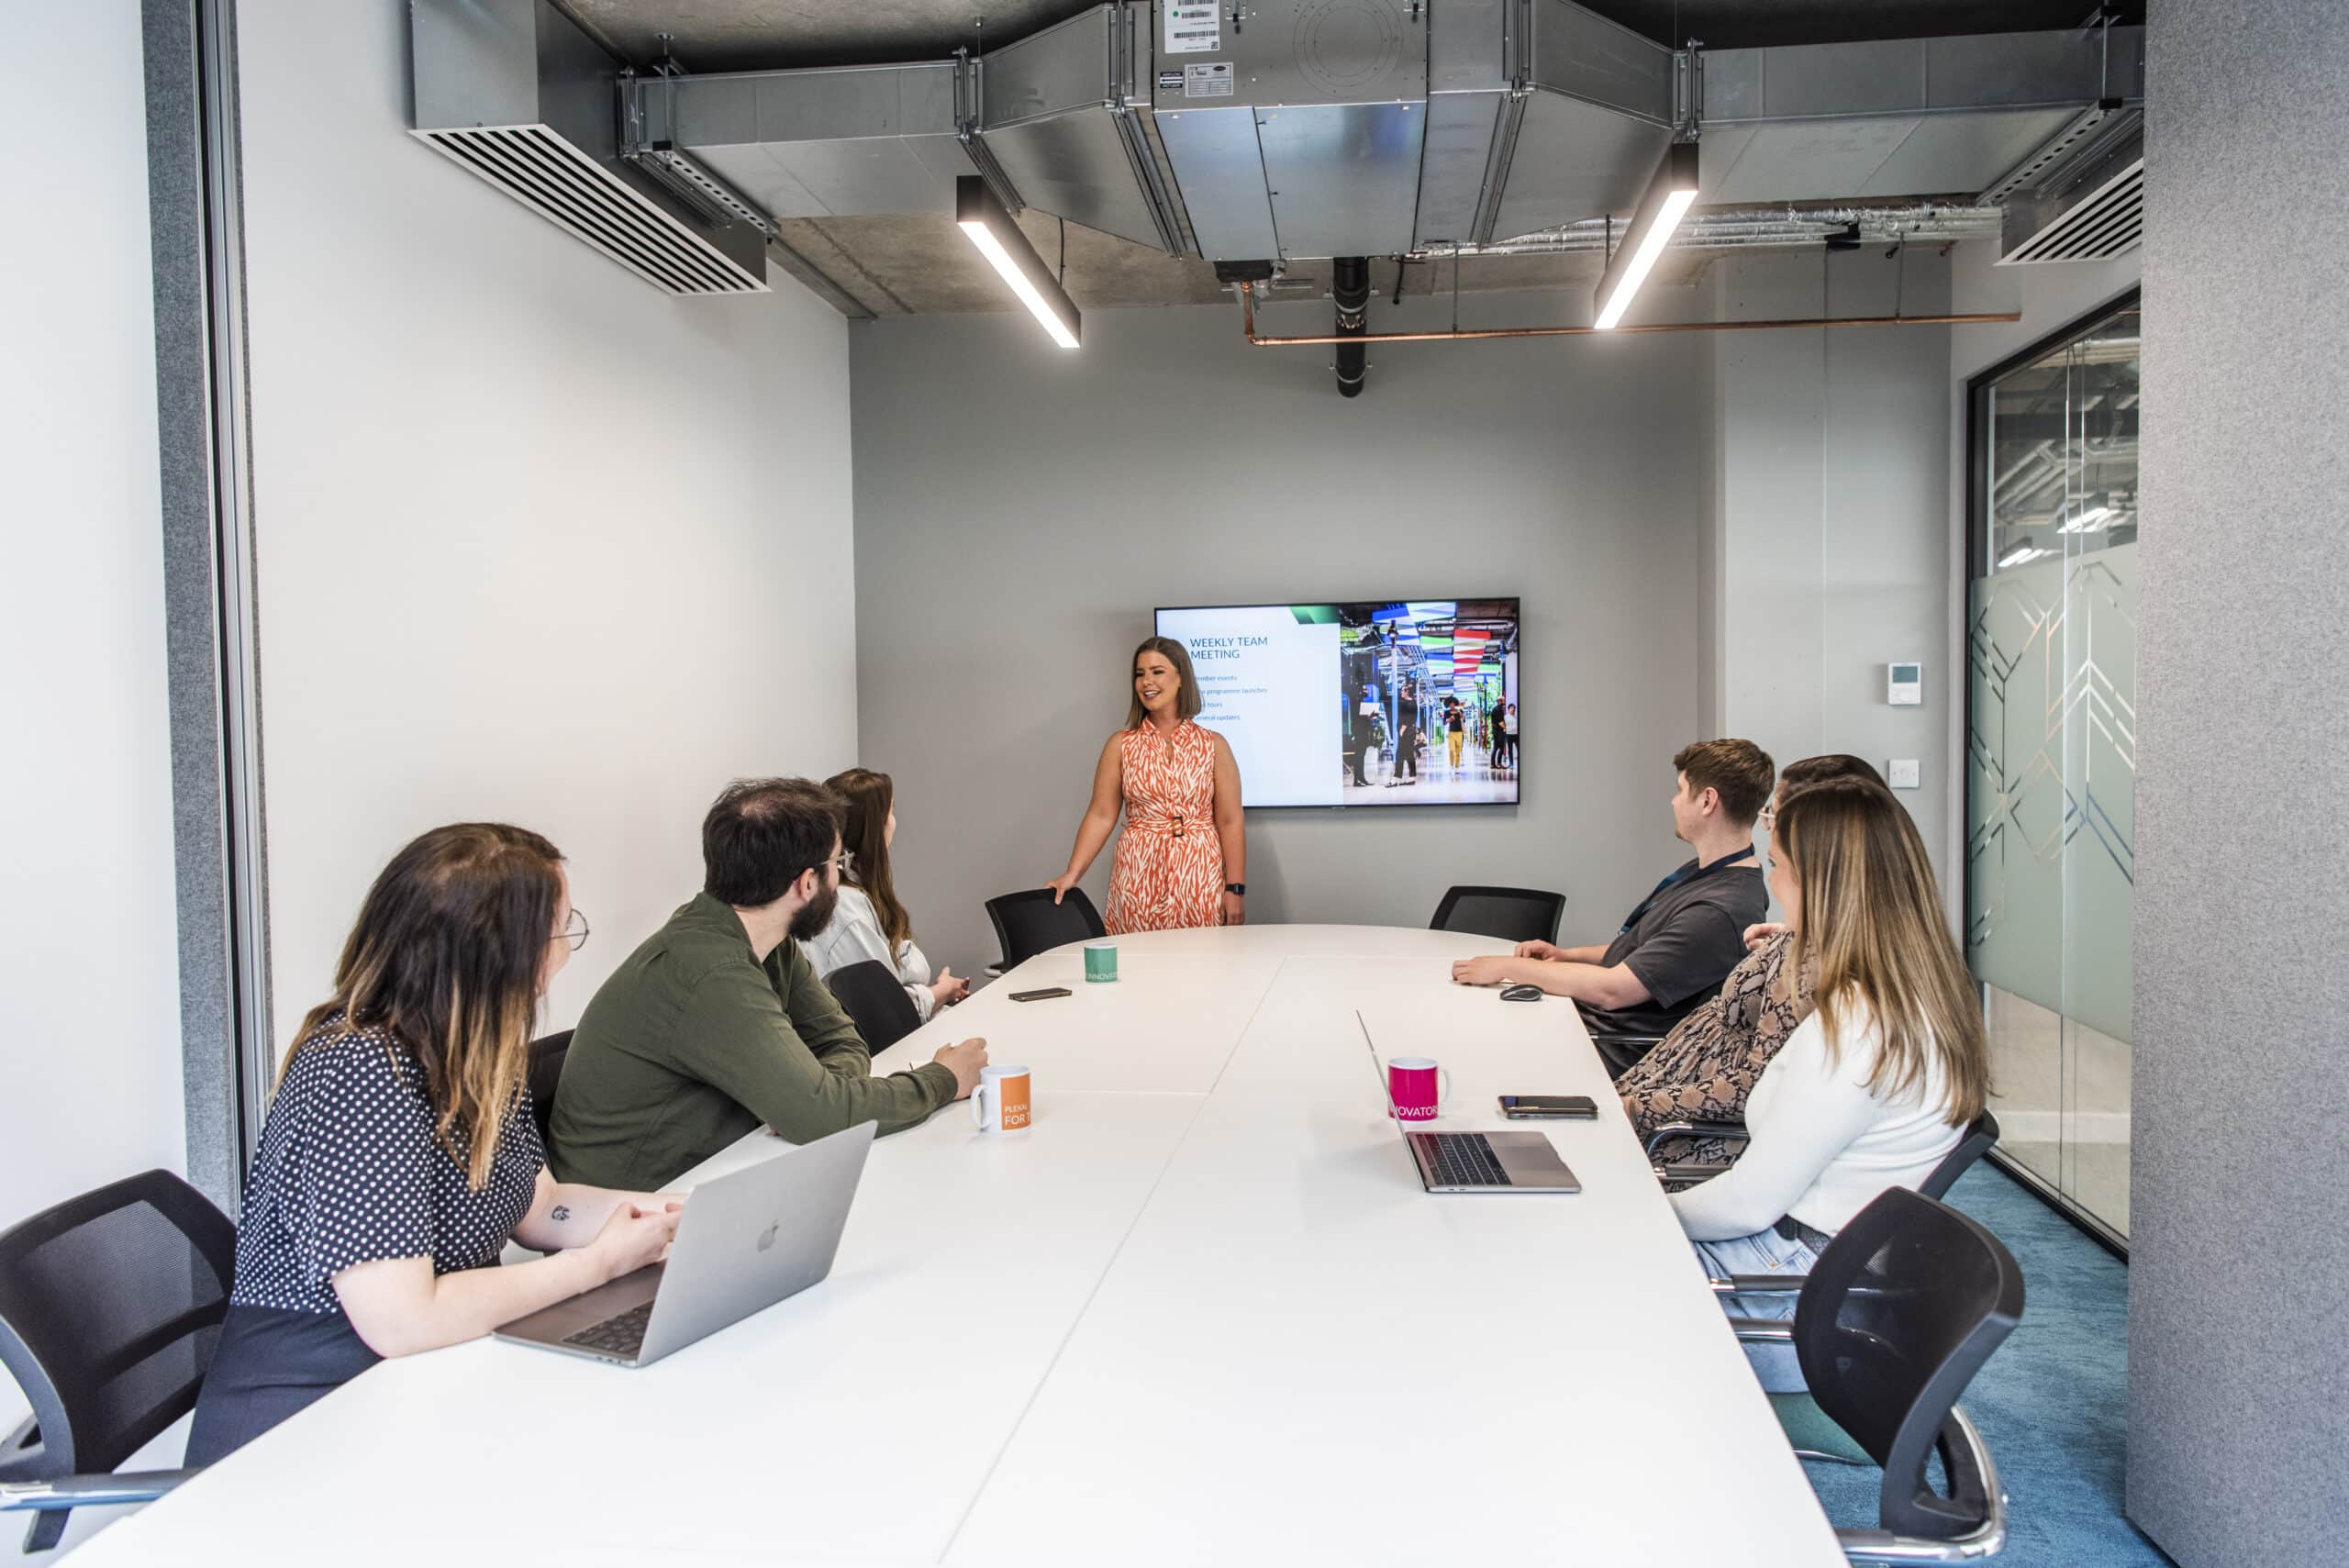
400,1154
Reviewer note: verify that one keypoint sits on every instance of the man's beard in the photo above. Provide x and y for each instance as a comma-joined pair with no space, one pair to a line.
814,915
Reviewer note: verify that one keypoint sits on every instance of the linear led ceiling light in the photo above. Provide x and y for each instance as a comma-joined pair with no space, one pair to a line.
1672,190
1006,249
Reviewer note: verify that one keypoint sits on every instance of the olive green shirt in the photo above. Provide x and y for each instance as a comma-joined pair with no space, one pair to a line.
693,1041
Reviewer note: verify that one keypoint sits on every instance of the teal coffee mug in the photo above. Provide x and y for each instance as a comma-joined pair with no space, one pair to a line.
1100,961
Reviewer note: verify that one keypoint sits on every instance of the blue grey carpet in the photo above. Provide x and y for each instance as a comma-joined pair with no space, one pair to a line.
2053,1402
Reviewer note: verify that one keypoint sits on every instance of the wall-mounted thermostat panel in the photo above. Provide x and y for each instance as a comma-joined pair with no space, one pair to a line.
1904,684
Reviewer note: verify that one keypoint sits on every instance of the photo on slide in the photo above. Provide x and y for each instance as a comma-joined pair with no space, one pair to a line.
1408,702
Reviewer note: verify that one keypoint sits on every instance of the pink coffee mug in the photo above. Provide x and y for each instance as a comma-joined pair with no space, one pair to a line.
1419,1086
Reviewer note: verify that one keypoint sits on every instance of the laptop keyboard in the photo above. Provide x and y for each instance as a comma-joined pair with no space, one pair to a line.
621,1335
1460,1160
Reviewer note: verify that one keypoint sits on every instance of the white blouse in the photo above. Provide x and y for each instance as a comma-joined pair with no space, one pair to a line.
853,935
1823,1147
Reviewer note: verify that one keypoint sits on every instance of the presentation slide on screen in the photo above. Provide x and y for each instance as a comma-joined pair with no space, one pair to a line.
1387,702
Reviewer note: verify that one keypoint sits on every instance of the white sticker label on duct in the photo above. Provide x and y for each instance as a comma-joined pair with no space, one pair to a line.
1208,80
1193,27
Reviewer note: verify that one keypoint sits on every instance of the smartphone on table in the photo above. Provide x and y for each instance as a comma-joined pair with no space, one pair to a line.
1547,1107
1039,995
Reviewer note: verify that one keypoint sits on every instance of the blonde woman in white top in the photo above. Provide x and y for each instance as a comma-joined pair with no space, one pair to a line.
869,922
1876,1087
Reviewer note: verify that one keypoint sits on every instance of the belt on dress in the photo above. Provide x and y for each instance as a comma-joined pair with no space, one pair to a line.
1171,825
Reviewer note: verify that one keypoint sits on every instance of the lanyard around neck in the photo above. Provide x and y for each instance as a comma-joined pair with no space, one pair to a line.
1685,873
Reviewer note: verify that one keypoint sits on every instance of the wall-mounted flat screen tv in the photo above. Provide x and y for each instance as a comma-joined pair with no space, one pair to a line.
1394,702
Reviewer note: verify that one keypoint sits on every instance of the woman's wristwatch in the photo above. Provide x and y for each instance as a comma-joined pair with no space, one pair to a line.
1237,889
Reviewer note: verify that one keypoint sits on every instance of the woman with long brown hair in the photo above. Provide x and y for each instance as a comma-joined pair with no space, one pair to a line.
1183,858
869,922
400,1154
1875,1086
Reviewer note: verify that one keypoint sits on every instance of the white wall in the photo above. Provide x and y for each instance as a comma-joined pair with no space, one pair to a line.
89,998
89,995
1829,514
538,542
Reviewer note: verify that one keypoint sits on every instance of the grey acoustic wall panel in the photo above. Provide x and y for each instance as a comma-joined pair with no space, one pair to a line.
2238,1386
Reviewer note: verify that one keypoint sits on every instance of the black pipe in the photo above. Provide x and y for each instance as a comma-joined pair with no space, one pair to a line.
1350,285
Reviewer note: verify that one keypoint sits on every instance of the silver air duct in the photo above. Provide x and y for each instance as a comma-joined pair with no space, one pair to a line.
1268,131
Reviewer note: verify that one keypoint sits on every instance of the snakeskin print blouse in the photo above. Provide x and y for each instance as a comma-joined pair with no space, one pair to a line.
1704,1068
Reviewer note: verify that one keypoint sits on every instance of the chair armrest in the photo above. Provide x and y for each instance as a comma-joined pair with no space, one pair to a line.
89,1490
1764,1330
1672,1129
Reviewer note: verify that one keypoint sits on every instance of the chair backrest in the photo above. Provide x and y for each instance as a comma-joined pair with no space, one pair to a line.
1900,1312
547,1052
1512,914
1982,1133
876,1002
110,1308
1029,923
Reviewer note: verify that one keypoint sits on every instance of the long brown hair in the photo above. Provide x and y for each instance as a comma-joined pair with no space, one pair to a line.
446,955
1872,914
866,836
1186,703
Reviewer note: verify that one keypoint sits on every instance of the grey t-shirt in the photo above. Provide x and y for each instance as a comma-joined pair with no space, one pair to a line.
1683,945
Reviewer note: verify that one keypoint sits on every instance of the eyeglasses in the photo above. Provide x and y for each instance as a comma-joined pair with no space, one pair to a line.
574,932
844,863
1768,818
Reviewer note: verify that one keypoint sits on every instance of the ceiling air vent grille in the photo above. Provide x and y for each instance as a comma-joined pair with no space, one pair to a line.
2102,224
539,169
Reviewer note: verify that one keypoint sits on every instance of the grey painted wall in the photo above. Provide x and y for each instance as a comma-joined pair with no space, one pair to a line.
1831,515
2237,1391
1019,512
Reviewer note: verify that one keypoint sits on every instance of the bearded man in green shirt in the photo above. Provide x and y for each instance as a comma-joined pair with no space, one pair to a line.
719,1023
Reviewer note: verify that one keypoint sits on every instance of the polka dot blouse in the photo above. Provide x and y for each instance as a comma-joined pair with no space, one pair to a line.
349,1171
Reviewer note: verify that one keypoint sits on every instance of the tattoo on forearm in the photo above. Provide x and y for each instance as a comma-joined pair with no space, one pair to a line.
558,1213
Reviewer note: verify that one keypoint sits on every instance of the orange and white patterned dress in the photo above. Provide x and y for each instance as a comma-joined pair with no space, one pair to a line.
1168,870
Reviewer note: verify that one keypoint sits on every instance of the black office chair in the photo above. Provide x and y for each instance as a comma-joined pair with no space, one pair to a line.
1512,914
545,1071
1905,1306
1980,1134
1029,923
110,1309
875,1002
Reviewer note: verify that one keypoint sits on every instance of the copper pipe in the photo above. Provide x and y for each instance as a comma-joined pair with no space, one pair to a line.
1248,326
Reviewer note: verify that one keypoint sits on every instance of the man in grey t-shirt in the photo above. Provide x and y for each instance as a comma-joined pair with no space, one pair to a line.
1680,943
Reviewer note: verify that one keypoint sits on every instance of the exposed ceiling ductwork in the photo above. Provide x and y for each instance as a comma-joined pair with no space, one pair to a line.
1283,131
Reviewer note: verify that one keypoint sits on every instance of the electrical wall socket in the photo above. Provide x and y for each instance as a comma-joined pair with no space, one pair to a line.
1901,773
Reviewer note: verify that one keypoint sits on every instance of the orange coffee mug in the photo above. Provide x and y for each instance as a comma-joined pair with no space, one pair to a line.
1000,1102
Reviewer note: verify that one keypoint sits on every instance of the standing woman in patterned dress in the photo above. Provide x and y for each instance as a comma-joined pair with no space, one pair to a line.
1183,858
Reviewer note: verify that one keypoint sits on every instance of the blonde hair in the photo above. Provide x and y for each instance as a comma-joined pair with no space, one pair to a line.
445,957
1871,915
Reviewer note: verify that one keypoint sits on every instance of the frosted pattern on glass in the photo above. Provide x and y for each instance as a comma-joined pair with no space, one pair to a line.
2050,818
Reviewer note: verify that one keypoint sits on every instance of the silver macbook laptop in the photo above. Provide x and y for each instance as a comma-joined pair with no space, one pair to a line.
744,1242
1512,1162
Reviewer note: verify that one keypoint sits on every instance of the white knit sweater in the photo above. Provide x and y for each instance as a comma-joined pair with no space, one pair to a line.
1823,1147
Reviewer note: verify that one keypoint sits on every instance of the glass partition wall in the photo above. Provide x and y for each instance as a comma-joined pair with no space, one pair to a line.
2050,751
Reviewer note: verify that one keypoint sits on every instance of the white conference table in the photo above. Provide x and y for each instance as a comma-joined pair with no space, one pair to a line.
1200,1311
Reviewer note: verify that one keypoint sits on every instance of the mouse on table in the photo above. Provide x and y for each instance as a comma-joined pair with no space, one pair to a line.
1521,993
